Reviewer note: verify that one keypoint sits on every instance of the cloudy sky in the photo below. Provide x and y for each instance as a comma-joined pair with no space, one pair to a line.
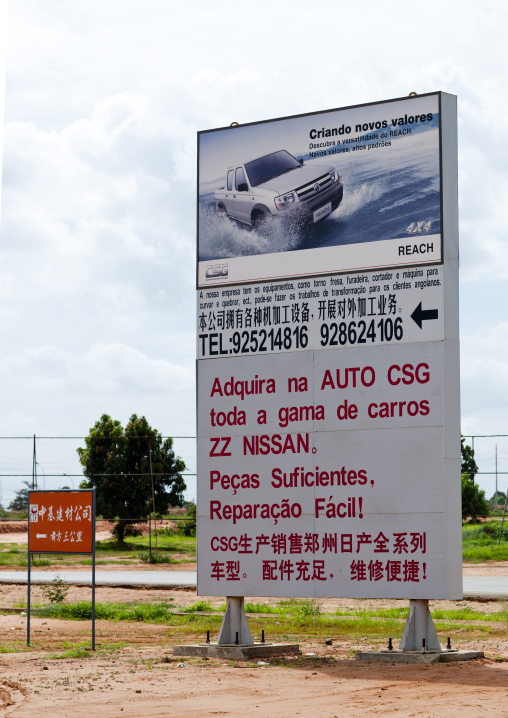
97,241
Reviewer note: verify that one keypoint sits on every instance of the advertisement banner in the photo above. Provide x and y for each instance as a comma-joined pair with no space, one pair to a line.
336,191
329,405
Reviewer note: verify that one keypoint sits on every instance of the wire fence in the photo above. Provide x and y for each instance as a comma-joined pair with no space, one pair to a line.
52,462
491,456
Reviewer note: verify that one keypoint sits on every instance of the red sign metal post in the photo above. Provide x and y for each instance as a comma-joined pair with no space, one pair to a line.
61,521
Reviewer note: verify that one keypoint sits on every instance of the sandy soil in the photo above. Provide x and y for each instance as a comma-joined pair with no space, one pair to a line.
144,679
141,685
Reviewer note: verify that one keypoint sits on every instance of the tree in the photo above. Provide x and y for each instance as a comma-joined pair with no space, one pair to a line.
467,463
497,499
474,503
117,463
20,500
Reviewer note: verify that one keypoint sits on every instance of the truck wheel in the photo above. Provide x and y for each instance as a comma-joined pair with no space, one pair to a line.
260,222
221,211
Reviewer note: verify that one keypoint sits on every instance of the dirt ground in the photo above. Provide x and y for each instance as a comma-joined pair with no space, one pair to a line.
144,679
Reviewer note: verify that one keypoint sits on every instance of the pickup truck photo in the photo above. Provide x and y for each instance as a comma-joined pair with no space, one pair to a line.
278,185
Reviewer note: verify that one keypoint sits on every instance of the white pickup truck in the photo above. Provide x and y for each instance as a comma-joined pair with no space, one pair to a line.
278,185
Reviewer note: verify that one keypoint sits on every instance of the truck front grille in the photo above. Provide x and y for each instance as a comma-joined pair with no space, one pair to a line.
310,190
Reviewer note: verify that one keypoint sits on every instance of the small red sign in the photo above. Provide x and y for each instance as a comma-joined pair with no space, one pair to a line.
60,522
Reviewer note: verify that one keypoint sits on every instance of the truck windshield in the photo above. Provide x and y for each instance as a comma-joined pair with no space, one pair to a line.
266,168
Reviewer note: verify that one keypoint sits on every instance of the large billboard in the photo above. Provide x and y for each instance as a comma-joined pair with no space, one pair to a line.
329,413
341,190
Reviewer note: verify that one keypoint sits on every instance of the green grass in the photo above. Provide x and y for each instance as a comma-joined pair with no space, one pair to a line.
396,612
479,542
200,606
457,614
84,650
296,621
253,607
82,611
469,614
290,611
15,647
81,650
165,544
13,559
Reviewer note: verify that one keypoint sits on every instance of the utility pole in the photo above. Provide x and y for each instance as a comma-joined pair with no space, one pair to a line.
34,467
496,474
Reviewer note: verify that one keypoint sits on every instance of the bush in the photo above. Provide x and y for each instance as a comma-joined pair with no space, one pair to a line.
56,591
187,527
165,531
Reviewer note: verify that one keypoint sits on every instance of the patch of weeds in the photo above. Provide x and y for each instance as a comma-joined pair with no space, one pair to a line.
302,608
479,542
199,606
166,531
111,545
80,650
56,591
396,612
38,562
260,608
13,648
82,611
109,647
469,614
155,558
84,650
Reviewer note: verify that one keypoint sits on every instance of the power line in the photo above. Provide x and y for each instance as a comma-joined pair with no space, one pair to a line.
84,476
149,436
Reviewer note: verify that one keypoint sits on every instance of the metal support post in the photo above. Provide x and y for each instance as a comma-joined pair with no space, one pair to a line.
93,570
419,632
28,583
235,628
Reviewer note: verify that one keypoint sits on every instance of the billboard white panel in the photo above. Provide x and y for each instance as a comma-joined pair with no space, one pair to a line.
280,434
328,405
362,309
335,191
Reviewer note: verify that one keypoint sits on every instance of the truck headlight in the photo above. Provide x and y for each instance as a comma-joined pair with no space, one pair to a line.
284,200
334,175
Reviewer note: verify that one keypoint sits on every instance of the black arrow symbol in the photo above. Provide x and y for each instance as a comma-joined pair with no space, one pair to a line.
420,315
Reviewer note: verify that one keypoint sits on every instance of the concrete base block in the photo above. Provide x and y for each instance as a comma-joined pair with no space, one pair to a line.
418,656
233,652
